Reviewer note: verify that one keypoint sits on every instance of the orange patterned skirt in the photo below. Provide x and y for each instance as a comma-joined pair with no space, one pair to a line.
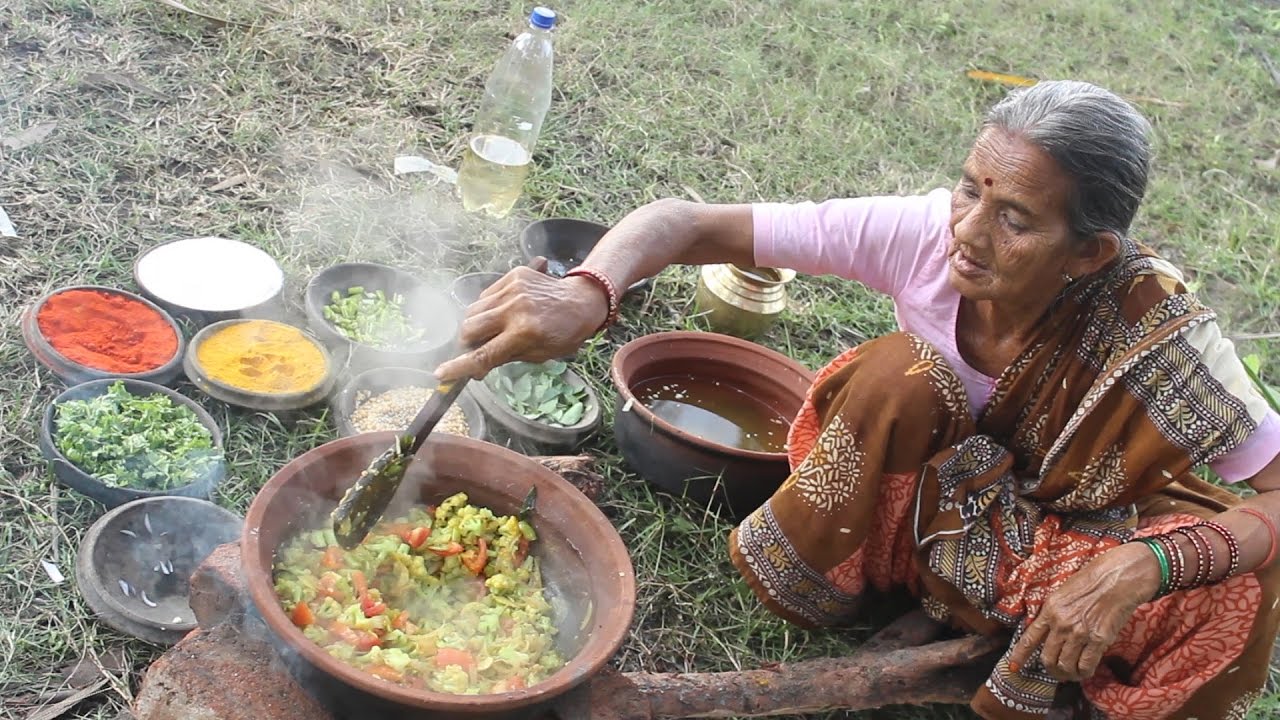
845,521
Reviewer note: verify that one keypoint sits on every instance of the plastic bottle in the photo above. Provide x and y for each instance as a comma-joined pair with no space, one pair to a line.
506,128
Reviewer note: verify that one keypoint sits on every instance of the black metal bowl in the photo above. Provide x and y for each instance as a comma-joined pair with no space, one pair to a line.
428,308
135,563
380,380
70,475
467,288
565,243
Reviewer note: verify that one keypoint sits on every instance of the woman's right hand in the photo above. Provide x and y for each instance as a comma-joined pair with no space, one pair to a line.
527,316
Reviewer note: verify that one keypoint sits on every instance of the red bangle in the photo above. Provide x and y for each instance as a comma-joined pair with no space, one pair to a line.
1271,527
1233,547
610,291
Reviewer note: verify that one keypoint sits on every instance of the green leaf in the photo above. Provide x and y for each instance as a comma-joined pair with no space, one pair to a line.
148,442
573,415
555,368
522,389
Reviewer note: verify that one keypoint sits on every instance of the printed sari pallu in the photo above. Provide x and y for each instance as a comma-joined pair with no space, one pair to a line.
1089,440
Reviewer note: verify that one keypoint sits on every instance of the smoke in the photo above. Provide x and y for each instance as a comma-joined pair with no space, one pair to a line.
415,222
147,556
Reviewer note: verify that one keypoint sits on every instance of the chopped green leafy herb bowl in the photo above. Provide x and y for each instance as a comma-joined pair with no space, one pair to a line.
118,440
537,408
373,315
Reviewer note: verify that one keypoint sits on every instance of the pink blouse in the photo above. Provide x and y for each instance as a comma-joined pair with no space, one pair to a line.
898,246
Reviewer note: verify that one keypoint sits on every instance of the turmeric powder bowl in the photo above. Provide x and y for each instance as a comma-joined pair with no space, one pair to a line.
260,364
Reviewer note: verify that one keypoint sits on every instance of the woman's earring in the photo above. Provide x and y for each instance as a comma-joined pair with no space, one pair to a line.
1068,278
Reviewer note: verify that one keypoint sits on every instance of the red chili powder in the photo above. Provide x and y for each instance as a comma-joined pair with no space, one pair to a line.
107,331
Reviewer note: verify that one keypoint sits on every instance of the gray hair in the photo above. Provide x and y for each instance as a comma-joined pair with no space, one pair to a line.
1099,140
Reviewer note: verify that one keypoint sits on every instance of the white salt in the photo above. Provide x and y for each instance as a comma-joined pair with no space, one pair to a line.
211,274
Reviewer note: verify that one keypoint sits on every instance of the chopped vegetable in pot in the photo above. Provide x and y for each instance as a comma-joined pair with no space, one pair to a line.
445,599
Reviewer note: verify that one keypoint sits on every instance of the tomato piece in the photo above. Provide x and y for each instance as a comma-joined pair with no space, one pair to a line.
371,606
328,586
340,631
477,559
522,551
332,558
386,673
400,620
302,615
516,683
416,537
452,656
449,550
359,583
366,641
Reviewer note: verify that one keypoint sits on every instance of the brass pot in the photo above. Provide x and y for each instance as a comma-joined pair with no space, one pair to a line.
742,301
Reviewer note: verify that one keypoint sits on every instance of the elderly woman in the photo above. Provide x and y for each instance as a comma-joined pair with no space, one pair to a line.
1020,456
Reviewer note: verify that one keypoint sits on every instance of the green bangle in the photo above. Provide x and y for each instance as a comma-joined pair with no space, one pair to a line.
1163,559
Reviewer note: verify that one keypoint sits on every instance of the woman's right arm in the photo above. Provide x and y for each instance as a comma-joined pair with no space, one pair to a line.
530,316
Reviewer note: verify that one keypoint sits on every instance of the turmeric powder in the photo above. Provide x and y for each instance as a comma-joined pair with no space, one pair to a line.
263,356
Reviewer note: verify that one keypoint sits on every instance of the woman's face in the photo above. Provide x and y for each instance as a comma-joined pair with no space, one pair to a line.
1011,239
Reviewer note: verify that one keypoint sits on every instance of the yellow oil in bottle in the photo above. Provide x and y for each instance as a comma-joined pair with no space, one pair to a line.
492,176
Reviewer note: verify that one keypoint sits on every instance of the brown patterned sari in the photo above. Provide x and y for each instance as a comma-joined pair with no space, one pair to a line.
1091,439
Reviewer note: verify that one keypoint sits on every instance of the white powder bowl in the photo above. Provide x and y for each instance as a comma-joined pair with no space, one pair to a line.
209,275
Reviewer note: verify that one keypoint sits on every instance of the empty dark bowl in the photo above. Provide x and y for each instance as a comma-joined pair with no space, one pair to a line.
69,475
467,288
380,380
565,243
427,308
677,460
135,562
589,579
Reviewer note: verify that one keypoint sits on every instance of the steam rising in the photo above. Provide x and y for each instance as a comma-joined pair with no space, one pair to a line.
413,222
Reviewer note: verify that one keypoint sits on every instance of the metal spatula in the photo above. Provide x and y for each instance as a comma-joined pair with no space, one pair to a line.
365,501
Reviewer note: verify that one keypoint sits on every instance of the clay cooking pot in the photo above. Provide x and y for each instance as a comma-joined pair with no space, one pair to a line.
586,570
680,462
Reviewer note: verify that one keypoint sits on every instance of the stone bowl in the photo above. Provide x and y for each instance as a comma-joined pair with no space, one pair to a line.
727,477
186,276
588,574
72,372
426,307
380,380
134,563
534,437
565,243
70,475
466,289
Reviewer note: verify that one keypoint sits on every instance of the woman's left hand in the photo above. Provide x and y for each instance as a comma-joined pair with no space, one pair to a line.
1083,617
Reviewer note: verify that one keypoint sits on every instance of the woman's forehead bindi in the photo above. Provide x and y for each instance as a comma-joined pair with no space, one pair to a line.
988,182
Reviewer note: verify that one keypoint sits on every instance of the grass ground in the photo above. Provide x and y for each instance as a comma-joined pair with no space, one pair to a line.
283,135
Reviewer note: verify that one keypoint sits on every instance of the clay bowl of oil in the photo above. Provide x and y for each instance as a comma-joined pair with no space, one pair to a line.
706,416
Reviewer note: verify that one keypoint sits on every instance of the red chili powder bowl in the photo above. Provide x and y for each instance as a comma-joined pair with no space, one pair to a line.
107,331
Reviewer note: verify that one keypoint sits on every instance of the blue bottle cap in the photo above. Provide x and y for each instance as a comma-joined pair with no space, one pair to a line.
544,18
